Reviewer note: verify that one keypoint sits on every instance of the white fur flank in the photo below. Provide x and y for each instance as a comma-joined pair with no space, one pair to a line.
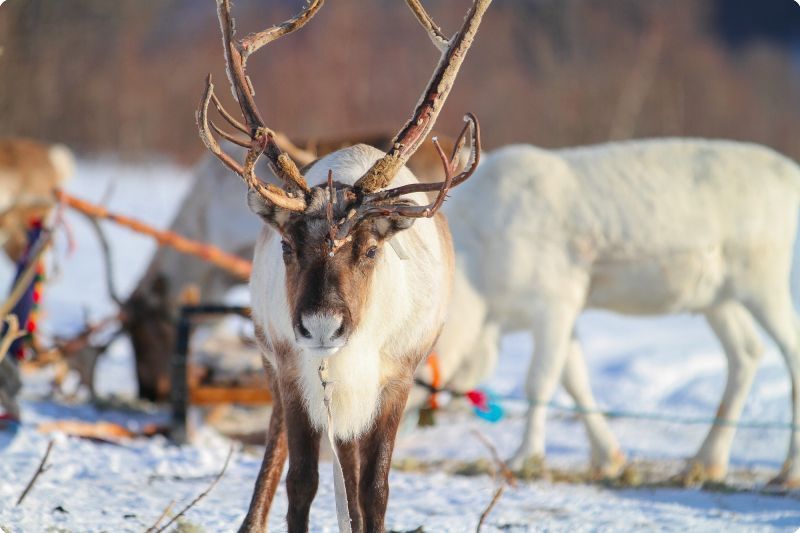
405,307
641,227
658,225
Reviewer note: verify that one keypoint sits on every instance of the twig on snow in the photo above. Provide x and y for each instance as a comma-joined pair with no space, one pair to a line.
508,475
485,513
501,468
201,495
161,517
39,471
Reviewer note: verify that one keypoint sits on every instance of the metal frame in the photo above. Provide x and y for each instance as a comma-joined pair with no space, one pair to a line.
179,390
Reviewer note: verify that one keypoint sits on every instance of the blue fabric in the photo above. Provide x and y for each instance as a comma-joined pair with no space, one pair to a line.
493,412
25,304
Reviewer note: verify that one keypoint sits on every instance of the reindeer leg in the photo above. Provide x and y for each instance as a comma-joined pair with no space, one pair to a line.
303,476
376,456
551,332
607,459
736,330
351,468
272,466
773,309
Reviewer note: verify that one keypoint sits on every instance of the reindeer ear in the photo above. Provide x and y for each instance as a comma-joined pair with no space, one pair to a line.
269,212
386,227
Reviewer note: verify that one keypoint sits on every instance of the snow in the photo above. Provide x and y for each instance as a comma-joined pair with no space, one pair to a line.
669,365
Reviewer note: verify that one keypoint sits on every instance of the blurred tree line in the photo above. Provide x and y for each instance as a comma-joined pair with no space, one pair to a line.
126,75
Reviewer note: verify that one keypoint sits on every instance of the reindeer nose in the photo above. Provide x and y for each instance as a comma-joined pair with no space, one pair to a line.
321,329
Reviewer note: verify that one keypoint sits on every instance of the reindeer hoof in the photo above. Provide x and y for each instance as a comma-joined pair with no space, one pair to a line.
610,467
530,468
788,479
522,456
478,467
697,473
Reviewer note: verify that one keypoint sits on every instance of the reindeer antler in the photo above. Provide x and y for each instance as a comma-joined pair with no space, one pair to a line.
380,203
261,138
412,135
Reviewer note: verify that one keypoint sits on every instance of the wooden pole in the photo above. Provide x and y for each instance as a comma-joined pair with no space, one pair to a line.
232,263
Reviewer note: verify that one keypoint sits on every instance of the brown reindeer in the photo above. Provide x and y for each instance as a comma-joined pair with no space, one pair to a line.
30,172
212,214
332,304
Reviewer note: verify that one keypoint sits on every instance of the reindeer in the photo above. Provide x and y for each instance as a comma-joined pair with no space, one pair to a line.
325,287
30,172
641,227
212,214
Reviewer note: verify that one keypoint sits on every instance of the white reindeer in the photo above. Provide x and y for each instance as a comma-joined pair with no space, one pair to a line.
641,227
326,288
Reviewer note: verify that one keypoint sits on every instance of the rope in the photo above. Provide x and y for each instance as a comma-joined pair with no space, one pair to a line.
232,263
340,491
471,396
660,417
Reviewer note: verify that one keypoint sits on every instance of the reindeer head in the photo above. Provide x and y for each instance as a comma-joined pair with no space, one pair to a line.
333,234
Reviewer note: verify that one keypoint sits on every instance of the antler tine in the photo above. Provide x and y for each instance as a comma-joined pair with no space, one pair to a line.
227,136
473,126
438,38
235,66
254,41
205,132
227,116
371,209
236,54
415,130
301,156
273,194
373,205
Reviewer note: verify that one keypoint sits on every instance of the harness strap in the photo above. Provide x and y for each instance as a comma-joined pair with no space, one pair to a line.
436,379
342,511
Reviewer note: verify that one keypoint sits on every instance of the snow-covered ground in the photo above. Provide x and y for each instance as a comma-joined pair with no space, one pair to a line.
667,365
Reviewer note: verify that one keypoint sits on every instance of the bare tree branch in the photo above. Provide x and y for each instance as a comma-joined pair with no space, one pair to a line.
638,84
107,261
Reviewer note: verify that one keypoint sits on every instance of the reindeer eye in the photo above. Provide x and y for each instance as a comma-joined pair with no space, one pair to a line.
287,248
372,251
